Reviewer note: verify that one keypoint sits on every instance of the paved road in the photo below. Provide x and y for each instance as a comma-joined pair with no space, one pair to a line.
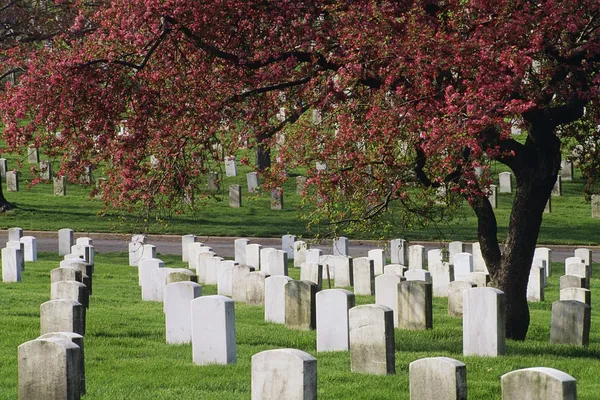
171,244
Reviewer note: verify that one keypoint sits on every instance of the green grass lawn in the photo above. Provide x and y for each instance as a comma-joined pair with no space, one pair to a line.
127,357
38,209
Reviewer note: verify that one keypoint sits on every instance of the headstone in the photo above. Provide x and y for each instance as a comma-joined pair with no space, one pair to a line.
455,297
415,305
65,241
300,185
572,281
255,288
185,242
340,246
211,263
287,245
505,182
418,275
300,249
397,269
363,272
21,254
84,268
240,250
3,168
548,207
378,257
278,263
386,293
212,181
235,196
480,279
416,257
225,277
45,170
280,374
214,342
478,261
49,369
30,245
535,284
178,310
300,305
275,298
238,282
15,234
343,271
557,189
277,199
544,253
65,274
312,272
453,249
585,255
265,258
483,322
76,339
441,276
180,275
147,251
463,266
11,265
570,323
145,280
313,255
434,256
60,185
159,281
579,269
541,264
253,255
566,170
538,383
135,248
493,196
372,347
595,202
399,251
327,261
70,290
578,294
33,155
230,166
332,319
439,378
62,316
252,181
12,181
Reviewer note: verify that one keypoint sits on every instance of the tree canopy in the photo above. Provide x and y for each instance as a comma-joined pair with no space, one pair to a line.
393,97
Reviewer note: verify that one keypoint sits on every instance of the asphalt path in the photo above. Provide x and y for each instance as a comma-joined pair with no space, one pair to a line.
223,246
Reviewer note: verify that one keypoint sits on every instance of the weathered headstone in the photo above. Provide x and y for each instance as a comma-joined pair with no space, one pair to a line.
278,263
70,290
535,284
62,316
372,347
11,266
238,282
12,181
332,319
557,189
280,374
65,241
3,168
135,247
230,166
180,275
415,310
439,378
585,255
33,155
441,276
252,181
363,272
30,245
235,196
579,269
255,288
65,274
253,255
578,294
45,170
480,279
300,304
397,269
225,277
505,179
265,258
312,272
544,253
595,202
463,266
416,257
483,322
569,281
340,246
76,339
240,250
178,306
538,383
570,323
343,271
60,185
493,196
287,245
277,199
386,292
212,181
275,298
300,249
399,251
566,170
300,185
418,275
214,342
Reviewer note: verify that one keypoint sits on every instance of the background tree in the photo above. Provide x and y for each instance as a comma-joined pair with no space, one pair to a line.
413,96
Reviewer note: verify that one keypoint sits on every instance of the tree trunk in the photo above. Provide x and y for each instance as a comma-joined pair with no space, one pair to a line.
535,169
4,204
263,156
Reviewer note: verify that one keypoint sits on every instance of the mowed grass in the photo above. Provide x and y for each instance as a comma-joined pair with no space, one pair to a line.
127,357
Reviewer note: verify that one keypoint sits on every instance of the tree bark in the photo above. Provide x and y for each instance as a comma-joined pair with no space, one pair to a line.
4,204
263,156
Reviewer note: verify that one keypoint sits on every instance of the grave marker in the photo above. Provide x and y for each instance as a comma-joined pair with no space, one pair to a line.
372,347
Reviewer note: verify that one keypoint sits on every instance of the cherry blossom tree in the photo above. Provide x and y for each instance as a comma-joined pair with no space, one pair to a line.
407,103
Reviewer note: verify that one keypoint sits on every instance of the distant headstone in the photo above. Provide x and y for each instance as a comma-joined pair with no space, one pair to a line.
277,199
265,259
478,261
434,256
278,263
570,323
572,281
595,201
20,254
399,251
440,378
483,322
225,277
505,182
300,185
578,294
340,246
455,297
332,308
238,282
145,280
493,196
214,342
65,241
11,266
240,250
3,168
557,189
255,288
70,290
535,284
252,181
180,275
314,255
463,266
544,253
300,304
280,374
480,279
30,244
33,155
538,383
397,269
441,276
287,245
300,249
230,166
372,347
65,274
212,179
363,272
235,196
46,170
418,275
585,255
415,310
178,305
416,257
579,269
312,272
253,255
386,292
343,271
548,207
275,298
185,242
60,186
12,181
566,170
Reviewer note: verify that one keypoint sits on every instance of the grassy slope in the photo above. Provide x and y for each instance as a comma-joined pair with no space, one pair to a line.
127,358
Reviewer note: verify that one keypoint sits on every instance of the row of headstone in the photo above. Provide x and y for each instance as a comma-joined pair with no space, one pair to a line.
19,249
60,183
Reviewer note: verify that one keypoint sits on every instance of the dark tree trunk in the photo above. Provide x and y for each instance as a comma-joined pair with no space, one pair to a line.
263,156
4,204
